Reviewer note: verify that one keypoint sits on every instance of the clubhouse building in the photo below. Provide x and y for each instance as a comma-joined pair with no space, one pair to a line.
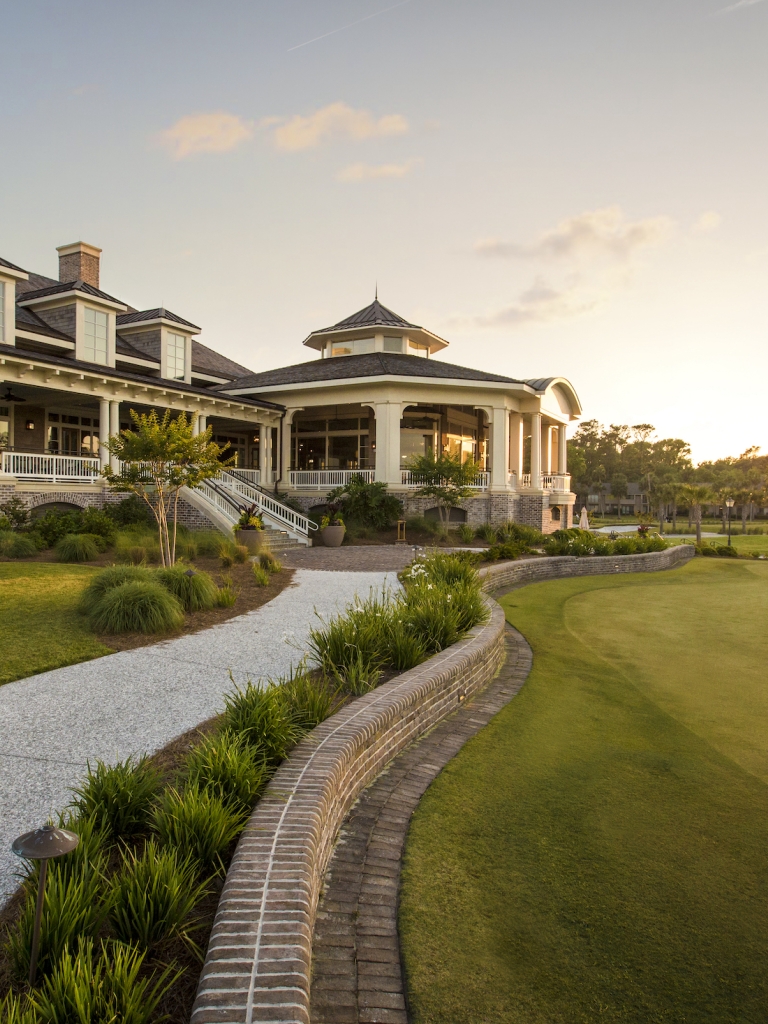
75,360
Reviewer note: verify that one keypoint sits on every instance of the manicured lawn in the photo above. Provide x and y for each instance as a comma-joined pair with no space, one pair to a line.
744,543
38,622
600,851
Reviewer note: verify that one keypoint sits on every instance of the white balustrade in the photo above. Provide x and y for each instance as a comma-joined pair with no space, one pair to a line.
316,479
410,479
549,482
271,508
251,476
51,468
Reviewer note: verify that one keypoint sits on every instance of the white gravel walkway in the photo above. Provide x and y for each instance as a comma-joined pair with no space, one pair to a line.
138,701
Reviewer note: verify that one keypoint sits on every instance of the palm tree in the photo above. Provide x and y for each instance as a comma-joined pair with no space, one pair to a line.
619,490
697,495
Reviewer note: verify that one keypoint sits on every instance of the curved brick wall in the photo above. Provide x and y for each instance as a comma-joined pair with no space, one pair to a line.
258,963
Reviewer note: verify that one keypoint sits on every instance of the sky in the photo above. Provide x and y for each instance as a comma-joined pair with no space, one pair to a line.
557,187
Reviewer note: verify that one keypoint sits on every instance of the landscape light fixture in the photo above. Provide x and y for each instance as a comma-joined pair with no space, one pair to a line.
42,844
729,502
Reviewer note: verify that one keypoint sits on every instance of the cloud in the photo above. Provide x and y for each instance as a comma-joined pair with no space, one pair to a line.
605,232
710,220
369,172
542,303
738,6
337,120
218,132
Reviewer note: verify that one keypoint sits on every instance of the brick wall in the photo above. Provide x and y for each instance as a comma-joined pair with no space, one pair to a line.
258,965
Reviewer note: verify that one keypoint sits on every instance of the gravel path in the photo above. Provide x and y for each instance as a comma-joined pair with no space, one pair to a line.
137,701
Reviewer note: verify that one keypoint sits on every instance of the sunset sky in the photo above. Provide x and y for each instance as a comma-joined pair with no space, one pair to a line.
570,187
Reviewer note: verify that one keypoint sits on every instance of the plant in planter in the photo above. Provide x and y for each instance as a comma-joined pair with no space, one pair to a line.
332,528
250,528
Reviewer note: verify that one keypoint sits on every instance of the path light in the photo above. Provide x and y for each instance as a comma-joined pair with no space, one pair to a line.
42,844
190,573
729,503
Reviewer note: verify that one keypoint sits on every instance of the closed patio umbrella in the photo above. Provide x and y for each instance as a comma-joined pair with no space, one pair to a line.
583,518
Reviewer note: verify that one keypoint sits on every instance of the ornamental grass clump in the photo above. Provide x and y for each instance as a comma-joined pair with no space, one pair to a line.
226,766
357,638
194,590
268,562
77,547
309,696
16,545
262,719
260,576
106,580
119,796
112,987
195,820
153,896
137,607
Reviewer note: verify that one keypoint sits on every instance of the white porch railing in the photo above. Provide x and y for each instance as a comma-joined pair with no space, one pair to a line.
316,479
560,482
275,511
411,479
50,468
252,476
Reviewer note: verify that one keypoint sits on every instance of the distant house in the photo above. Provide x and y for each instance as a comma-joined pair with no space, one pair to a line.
74,360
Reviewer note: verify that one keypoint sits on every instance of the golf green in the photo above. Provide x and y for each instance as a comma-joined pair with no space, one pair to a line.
600,851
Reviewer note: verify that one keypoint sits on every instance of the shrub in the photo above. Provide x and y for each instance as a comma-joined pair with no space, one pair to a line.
405,648
17,545
356,638
466,533
131,511
261,576
106,580
367,504
525,536
194,590
208,543
186,549
241,554
90,851
136,546
259,717
152,897
309,697
227,594
486,532
268,561
118,796
434,616
726,551
197,821
96,521
77,547
72,908
508,549
227,767
55,524
420,524
137,607
113,989
16,512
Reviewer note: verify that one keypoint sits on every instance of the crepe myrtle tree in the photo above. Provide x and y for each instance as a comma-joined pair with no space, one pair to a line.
445,478
158,457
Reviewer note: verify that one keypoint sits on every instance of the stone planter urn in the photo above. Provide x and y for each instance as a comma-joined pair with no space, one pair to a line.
332,536
251,539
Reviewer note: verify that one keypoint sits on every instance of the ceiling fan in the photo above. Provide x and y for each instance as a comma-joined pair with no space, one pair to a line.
10,397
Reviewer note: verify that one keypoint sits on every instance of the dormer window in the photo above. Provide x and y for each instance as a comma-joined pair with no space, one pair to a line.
175,357
95,347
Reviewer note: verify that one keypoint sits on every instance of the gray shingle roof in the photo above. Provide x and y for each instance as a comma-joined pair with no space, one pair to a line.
11,266
140,315
35,282
372,364
205,360
68,286
26,320
123,347
374,315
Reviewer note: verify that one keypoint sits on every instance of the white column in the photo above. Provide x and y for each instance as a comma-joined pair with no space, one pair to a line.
547,449
114,428
195,424
536,451
388,443
516,446
285,455
103,431
499,449
202,424
562,451
265,454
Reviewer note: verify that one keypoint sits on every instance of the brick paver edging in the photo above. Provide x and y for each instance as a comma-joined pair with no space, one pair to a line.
506,575
257,968
258,963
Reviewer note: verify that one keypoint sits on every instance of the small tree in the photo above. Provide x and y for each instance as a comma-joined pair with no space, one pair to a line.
697,495
445,478
158,458
367,504
619,489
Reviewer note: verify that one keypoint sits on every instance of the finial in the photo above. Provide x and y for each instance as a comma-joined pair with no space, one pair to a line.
376,296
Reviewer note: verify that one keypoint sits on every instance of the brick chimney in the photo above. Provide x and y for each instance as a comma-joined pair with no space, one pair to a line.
79,262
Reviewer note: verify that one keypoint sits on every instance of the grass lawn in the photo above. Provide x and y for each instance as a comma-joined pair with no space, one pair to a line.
40,627
600,851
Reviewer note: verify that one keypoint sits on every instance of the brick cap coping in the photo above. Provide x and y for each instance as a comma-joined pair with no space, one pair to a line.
258,964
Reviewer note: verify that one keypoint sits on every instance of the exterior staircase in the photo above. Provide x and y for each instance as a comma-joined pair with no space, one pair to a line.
223,499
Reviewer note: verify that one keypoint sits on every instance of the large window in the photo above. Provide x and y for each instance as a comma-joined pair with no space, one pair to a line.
2,311
72,435
175,359
5,426
339,443
95,336
358,347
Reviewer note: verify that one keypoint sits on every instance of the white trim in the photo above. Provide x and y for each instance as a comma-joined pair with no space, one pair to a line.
197,375
136,326
44,339
390,379
17,275
59,299
120,357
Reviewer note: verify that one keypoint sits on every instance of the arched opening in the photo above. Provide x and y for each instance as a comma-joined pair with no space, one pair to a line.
556,513
455,515
54,506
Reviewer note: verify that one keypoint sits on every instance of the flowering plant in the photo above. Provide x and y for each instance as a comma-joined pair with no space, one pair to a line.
250,519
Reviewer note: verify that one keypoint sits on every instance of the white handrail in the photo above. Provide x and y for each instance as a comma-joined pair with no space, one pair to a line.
220,502
315,479
270,507
51,468
411,479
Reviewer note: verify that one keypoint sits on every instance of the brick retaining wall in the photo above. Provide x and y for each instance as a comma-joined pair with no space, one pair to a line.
258,965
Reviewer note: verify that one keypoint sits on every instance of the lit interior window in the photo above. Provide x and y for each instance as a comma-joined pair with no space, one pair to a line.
358,347
95,336
175,357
